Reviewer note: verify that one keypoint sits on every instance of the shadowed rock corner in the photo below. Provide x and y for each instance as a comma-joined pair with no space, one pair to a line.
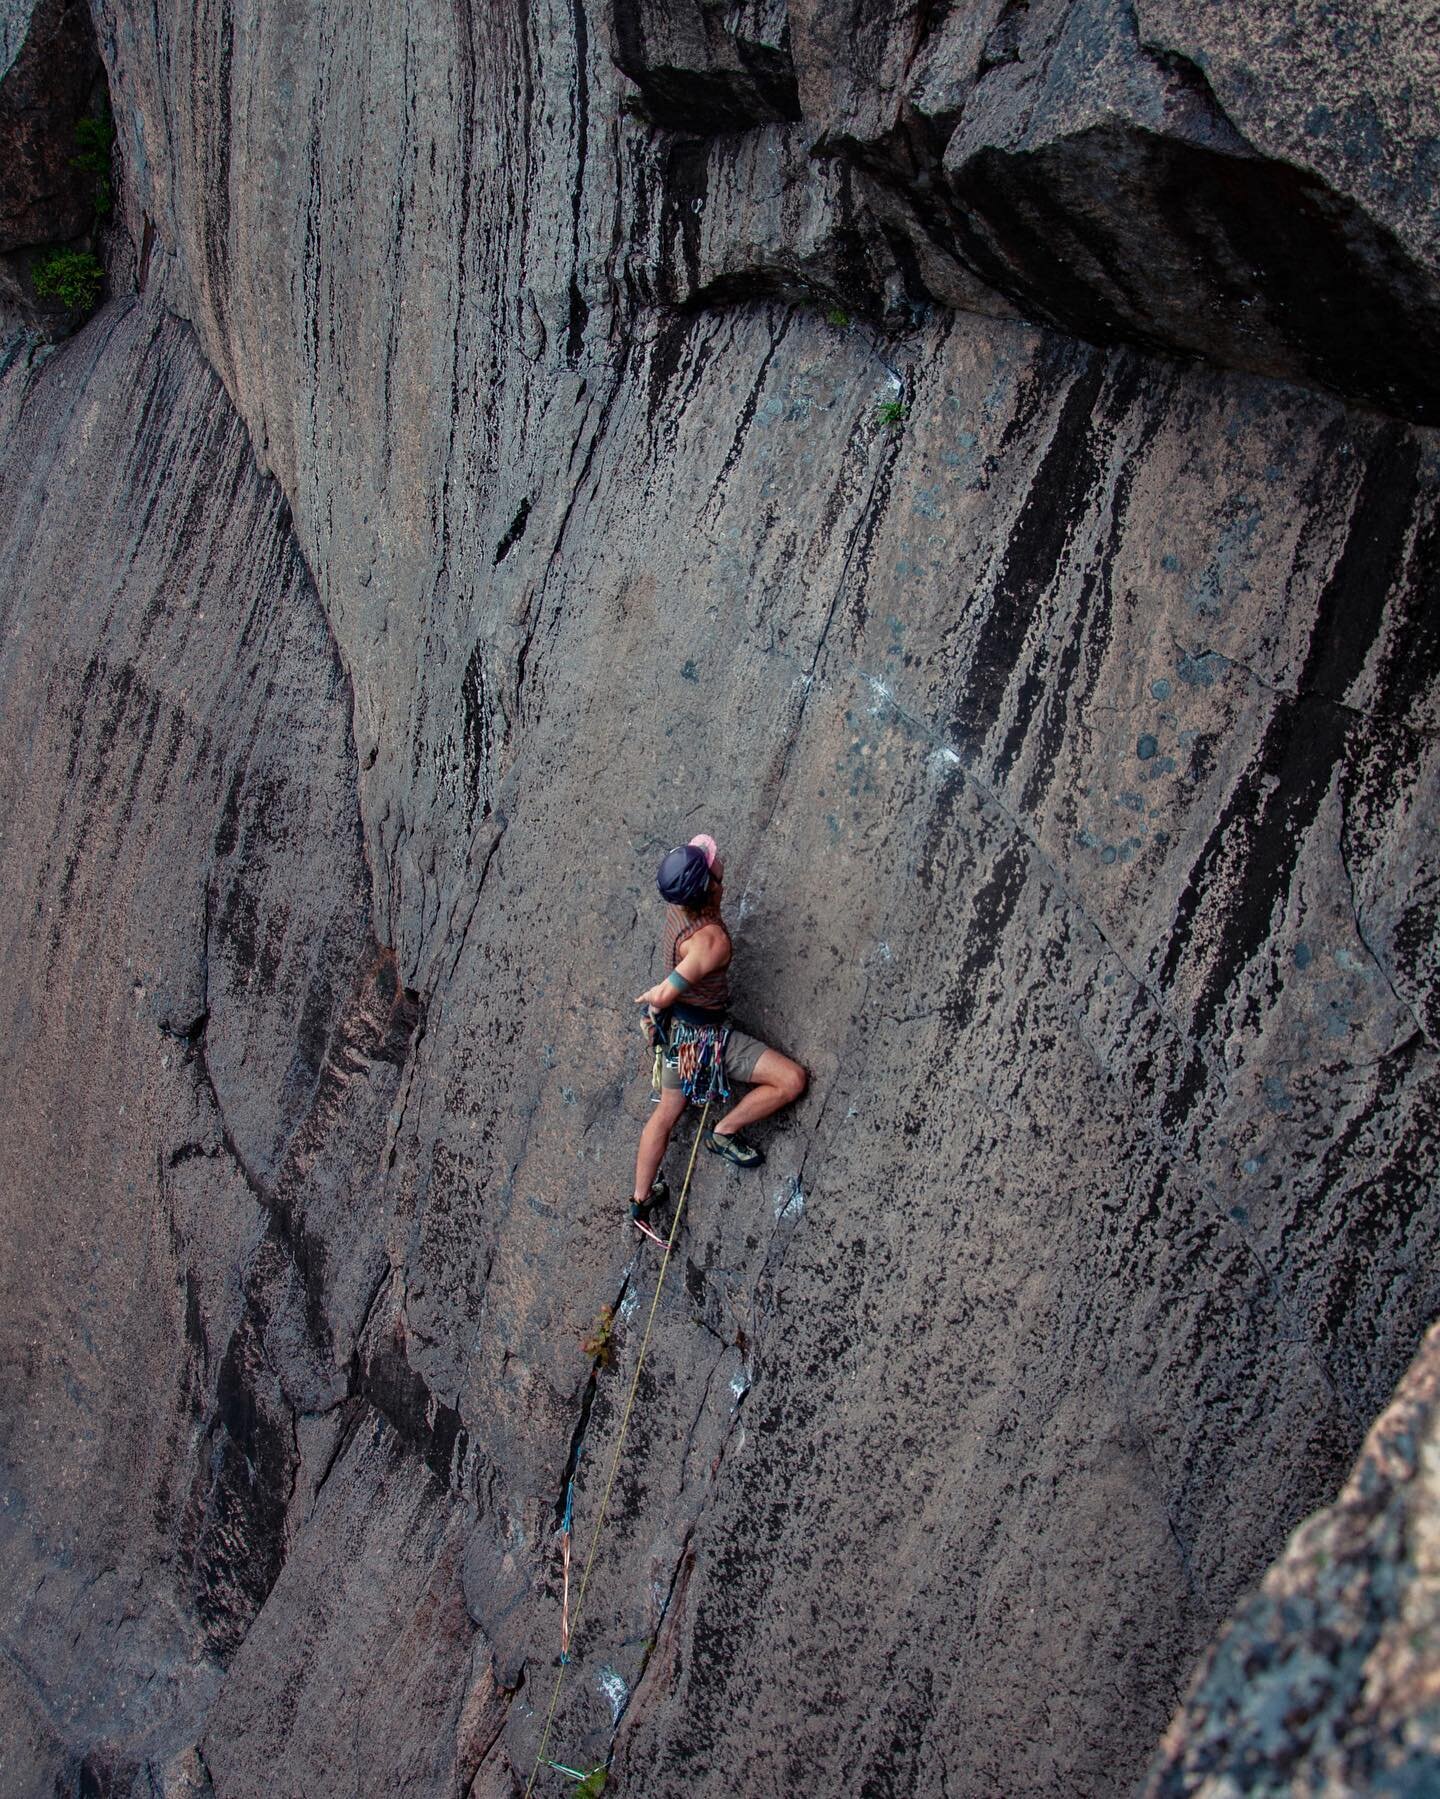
58,225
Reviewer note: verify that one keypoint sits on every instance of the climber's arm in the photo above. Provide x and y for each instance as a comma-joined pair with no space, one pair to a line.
706,951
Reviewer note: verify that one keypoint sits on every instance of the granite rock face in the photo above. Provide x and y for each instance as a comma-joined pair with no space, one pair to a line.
541,433
1328,1680
197,1017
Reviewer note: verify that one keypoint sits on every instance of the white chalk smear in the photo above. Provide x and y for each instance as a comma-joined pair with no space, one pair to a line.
616,1692
789,1201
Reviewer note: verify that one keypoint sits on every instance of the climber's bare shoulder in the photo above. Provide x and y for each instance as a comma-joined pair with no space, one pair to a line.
710,947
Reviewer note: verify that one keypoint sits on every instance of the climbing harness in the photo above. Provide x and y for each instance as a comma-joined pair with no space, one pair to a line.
659,1043
699,1052
569,1623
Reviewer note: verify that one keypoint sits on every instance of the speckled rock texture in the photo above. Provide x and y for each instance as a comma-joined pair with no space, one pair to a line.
15,16
541,432
1328,1680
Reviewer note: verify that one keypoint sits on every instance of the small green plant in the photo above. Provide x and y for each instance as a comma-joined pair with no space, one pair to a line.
592,1786
838,317
73,277
892,414
599,1345
96,138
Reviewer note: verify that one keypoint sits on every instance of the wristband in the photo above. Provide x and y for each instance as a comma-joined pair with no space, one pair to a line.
678,981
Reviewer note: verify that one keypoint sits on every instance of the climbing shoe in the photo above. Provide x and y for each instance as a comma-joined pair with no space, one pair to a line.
640,1209
734,1148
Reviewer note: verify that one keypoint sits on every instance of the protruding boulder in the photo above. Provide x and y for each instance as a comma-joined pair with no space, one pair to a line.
1101,186
1328,1680
1064,162
1350,95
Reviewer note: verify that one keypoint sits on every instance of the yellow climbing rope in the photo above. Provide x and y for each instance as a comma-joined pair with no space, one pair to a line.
615,1459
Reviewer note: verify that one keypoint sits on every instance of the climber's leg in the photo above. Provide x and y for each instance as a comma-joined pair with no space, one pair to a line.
777,1082
655,1140
774,1080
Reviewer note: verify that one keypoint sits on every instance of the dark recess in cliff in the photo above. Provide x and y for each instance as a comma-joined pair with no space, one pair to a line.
700,69
52,197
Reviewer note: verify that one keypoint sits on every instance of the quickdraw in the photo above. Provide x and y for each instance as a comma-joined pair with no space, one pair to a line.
698,1050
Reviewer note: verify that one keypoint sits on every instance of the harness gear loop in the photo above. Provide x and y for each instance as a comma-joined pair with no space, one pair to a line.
698,1051
574,1620
655,1024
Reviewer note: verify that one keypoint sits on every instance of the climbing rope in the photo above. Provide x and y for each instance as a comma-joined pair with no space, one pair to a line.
571,1624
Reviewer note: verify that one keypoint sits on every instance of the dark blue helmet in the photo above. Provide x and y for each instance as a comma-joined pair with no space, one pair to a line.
684,876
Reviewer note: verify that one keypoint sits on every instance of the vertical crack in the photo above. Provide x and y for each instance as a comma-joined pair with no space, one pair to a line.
1344,852
582,1423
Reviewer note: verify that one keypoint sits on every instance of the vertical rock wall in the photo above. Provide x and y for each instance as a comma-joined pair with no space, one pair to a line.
195,995
514,499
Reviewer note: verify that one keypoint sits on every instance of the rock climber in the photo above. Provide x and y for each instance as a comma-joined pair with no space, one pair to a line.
701,1051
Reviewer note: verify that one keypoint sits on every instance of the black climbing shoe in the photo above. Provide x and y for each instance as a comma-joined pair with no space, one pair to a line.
734,1148
640,1209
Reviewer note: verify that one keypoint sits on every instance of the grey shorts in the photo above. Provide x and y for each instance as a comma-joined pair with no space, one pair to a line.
741,1055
